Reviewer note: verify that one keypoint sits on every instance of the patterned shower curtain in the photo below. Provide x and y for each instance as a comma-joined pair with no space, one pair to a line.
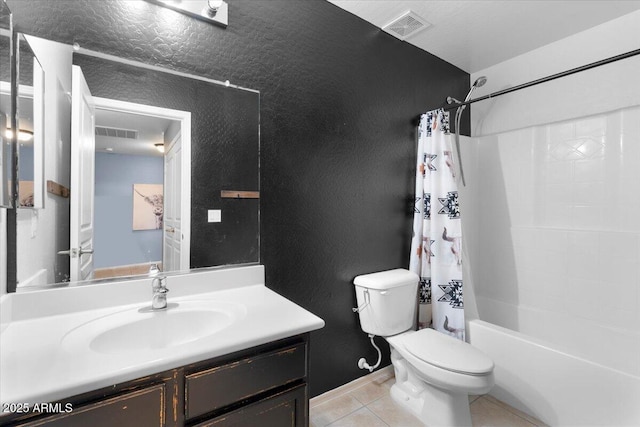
436,247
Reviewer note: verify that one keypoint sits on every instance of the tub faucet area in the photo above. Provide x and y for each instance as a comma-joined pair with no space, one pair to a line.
159,288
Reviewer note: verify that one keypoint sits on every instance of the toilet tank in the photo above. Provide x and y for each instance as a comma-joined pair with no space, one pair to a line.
387,301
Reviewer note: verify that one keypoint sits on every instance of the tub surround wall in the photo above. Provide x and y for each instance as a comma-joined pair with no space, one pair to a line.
555,253
554,234
339,103
556,223
557,211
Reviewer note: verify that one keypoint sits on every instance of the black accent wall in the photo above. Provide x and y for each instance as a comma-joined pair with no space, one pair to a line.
339,104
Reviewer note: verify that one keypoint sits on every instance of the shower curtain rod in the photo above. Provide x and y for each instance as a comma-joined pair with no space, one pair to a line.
455,105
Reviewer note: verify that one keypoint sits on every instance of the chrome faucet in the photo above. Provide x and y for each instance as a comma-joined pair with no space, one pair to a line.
159,301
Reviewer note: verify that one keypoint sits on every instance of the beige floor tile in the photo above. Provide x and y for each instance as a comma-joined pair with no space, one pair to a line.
328,412
392,413
383,376
360,418
485,413
515,411
370,392
389,382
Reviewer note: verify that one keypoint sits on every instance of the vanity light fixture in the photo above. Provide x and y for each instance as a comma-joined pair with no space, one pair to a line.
160,147
213,11
23,135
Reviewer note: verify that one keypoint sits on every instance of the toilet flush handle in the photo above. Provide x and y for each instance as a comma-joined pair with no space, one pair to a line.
364,304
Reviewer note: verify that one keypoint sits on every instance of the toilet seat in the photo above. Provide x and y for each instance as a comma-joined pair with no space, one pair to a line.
445,352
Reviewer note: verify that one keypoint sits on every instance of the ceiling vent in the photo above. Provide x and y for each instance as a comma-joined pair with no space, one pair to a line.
406,25
116,133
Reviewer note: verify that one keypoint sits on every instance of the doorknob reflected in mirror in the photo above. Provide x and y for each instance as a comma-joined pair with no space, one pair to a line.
75,252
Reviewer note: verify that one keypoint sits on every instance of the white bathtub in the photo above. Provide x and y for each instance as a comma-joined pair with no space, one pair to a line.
556,387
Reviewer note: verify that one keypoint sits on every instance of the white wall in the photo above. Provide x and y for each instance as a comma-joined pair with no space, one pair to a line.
555,215
3,251
605,88
41,233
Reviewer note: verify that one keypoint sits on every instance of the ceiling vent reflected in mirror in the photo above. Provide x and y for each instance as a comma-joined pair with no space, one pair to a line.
116,133
406,25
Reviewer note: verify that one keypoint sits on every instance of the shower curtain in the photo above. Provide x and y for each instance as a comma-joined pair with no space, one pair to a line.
436,247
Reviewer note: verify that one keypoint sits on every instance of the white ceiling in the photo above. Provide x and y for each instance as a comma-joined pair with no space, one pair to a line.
476,34
150,131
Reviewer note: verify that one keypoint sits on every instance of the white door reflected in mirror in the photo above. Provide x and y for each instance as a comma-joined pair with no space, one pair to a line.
115,164
82,178
172,240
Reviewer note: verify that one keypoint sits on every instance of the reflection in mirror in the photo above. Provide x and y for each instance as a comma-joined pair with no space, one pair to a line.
5,106
131,198
224,136
30,123
41,233
140,193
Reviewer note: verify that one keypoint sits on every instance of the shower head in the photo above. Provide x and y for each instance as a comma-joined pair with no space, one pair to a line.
480,81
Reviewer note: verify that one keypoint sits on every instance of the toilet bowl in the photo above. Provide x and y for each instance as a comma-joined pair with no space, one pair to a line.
434,372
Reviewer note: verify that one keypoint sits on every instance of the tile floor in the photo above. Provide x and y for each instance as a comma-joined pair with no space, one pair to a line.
367,402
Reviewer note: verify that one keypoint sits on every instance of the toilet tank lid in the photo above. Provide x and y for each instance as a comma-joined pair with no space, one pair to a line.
387,279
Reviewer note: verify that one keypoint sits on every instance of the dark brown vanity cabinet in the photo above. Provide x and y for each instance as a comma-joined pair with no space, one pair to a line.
262,386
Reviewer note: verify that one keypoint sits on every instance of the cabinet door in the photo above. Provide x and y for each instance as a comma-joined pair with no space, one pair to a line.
286,409
213,389
136,409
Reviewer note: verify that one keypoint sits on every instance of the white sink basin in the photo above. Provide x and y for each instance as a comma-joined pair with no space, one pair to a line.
135,331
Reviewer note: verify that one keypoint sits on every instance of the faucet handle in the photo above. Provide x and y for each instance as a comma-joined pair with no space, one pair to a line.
157,284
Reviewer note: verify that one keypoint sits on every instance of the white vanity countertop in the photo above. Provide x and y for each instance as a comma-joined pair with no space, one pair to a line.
35,366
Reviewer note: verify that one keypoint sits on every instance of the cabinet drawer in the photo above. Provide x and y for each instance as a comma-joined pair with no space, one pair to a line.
139,408
286,409
214,388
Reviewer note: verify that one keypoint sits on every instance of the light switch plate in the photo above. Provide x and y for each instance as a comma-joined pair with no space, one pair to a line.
214,215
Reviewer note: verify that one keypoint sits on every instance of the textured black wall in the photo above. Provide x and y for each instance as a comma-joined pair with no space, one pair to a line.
339,101
5,48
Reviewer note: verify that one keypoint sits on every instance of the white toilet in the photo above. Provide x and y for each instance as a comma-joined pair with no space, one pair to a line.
435,373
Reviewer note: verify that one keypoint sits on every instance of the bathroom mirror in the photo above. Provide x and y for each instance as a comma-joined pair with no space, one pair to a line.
223,195
30,122
5,106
